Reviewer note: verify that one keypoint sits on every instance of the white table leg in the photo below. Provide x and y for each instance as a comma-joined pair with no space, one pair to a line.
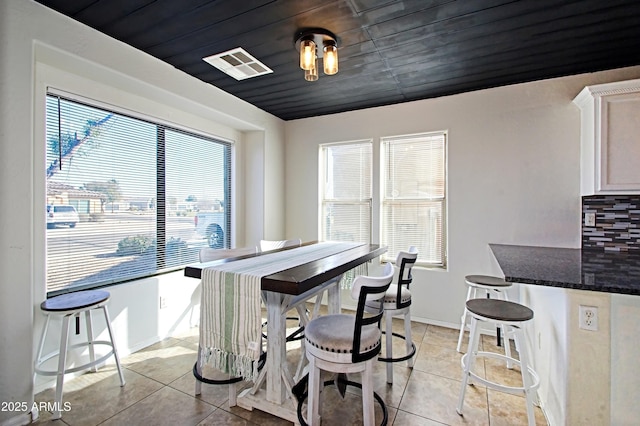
276,348
334,304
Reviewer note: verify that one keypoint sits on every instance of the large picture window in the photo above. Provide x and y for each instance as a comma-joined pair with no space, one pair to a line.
346,177
123,193
413,204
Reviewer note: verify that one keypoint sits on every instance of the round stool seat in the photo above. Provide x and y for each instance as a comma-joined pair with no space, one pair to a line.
329,336
499,310
73,301
487,281
391,298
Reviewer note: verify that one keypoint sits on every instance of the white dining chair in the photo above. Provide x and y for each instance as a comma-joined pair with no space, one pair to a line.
268,245
397,302
208,254
343,343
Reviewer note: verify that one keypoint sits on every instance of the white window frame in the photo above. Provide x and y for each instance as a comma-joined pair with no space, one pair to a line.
367,202
162,234
385,238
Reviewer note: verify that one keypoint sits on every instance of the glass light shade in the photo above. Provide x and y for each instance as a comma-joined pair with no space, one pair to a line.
330,60
312,74
307,54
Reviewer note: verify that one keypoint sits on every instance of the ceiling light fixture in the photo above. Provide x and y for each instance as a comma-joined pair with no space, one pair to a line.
313,44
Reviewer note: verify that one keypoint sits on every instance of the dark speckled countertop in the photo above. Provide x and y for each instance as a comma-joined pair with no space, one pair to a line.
570,268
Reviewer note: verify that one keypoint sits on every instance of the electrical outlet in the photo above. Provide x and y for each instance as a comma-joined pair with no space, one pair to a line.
589,219
163,302
588,318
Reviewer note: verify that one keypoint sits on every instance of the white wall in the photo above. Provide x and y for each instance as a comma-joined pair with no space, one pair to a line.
513,178
548,344
40,48
625,368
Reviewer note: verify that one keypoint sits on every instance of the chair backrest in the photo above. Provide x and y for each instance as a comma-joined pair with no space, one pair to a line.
208,254
267,245
405,261
366,290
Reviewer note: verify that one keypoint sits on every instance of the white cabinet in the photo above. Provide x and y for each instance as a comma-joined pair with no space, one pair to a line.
610,138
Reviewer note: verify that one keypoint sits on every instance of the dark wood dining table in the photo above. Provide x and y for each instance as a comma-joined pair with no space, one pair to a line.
284,290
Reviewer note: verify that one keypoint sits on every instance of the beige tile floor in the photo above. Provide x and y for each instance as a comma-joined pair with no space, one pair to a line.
160,390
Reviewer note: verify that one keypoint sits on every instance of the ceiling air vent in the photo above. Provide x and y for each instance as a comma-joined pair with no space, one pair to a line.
238,64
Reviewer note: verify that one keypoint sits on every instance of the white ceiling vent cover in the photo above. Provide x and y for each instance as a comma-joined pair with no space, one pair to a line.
238,63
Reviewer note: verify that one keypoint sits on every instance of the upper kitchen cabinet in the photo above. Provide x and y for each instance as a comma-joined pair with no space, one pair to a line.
610,138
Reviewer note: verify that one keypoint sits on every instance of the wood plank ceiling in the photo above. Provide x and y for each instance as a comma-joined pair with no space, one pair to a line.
390,51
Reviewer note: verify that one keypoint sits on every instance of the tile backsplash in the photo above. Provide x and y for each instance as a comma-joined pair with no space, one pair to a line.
617,225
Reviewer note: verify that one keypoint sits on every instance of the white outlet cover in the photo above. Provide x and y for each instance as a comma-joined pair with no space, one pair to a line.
589,219
588,318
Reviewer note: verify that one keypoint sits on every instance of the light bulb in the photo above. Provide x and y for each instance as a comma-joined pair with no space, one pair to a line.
312,74
330,60
307,54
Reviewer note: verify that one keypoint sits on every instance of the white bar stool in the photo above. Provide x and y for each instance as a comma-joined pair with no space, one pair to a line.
342,343
67,306
515,316
492,286
397,301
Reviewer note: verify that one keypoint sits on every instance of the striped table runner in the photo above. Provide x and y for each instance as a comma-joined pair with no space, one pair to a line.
230,315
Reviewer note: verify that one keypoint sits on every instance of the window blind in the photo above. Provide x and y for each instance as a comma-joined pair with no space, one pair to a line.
135,186
346,180
413,205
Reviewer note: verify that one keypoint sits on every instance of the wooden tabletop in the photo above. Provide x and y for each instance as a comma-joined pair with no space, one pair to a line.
302,278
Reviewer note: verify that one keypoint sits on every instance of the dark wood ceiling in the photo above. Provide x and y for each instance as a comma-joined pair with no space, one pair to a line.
390,51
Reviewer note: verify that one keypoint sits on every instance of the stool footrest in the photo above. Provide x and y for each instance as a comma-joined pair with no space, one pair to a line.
301,395
514,390
80,367
402,358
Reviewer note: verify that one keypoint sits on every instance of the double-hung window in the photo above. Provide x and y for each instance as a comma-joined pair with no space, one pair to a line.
413,196
346,189
123,192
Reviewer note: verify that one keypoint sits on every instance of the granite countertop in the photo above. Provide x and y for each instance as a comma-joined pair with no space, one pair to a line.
570,268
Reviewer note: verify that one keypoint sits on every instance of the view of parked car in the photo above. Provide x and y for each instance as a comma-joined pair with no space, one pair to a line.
211,226
62,215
